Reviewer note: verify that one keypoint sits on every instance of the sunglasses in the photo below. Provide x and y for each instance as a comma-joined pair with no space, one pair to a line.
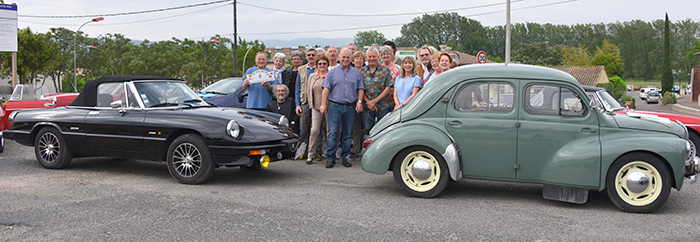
322,63
425,55
310,54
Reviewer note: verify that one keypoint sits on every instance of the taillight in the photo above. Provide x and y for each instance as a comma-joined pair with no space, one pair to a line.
366,143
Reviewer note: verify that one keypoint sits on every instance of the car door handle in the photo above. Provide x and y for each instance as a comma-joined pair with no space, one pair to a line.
454,123
588,130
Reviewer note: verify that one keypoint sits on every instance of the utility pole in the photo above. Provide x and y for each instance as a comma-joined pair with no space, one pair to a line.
235,41
507,32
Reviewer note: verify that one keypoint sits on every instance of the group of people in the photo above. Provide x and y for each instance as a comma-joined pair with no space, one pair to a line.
324,97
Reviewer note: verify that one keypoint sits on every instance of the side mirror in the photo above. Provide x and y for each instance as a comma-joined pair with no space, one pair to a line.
116,104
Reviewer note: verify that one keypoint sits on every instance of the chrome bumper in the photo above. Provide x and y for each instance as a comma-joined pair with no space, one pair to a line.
692,166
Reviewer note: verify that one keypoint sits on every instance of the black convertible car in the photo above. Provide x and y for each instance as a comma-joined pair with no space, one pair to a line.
153,118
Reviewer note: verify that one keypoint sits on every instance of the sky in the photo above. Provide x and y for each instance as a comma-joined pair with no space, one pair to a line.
262,19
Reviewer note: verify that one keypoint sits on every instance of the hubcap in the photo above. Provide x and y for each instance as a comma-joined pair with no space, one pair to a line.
638,183
49,148
420,171
187,160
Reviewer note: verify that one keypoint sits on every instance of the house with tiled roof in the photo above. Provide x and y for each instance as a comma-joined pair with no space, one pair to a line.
586,75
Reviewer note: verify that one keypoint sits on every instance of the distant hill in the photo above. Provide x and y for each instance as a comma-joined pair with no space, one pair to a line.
323,42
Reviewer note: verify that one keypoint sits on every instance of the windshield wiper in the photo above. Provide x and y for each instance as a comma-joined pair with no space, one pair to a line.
193,101
215,92
165,105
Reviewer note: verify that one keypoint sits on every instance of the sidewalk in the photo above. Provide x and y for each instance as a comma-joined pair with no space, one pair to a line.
685,105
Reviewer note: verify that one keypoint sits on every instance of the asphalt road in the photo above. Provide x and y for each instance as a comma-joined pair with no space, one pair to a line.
101,199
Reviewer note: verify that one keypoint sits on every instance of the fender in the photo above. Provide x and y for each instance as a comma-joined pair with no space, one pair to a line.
378,157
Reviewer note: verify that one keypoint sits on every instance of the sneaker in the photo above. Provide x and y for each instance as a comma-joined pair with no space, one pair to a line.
329,164
346,163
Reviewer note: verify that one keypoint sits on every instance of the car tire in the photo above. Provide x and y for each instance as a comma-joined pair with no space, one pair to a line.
51,150
694,138
420,172
189,160
638,183
2,143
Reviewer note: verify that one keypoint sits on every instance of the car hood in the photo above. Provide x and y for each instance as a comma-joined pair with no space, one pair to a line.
260,123
649,122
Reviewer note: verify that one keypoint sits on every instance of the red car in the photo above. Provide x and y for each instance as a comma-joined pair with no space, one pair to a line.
24,98
606,101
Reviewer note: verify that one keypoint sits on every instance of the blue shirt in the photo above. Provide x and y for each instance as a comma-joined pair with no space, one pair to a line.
343,84
258,96
404,87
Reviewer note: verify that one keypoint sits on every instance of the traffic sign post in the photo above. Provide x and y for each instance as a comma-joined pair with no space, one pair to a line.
481,57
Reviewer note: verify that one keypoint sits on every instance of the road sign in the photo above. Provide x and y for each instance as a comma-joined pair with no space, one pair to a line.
8,28
481,57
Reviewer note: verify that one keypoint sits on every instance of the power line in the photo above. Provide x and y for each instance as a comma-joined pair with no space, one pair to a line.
399,24
123,14
373,15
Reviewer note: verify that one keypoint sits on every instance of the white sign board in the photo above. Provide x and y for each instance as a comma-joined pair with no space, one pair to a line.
260,76
8,28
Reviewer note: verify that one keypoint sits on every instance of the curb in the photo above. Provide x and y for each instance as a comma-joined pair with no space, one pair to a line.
684,109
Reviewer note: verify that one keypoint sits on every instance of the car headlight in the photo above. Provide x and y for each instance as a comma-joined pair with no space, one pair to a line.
283,121
233,129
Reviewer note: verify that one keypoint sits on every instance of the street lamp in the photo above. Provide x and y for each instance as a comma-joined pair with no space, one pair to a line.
75,68
246,56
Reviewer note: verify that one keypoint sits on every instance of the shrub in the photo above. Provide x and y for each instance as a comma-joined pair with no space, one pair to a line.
668,98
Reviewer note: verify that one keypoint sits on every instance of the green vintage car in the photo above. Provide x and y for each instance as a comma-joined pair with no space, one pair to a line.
532,124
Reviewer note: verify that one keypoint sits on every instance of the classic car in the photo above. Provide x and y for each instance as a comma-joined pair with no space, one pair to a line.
153,118
609,103
552,134
25,96
225,93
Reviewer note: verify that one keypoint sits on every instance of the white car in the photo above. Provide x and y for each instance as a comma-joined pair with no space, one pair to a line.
644,91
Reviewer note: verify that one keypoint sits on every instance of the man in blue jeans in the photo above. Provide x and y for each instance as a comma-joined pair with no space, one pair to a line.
341,91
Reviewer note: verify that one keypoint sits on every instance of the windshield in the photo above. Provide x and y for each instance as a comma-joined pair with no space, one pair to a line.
167,93
225,86
609,102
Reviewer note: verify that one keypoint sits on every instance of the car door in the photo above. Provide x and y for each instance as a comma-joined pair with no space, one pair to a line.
558,137
116,129
482,119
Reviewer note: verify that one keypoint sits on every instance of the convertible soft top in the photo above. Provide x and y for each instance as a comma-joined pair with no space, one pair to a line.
88,97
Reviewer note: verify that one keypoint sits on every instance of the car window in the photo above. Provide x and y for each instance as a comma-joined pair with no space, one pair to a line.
485,97
108,93
164,94
553,100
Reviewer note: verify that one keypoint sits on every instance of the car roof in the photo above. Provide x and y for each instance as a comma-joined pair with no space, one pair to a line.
437,87
88,97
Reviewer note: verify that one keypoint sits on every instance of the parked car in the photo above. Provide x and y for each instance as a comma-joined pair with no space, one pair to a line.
653,97
643,92
553,134
225,93
153,118
26,97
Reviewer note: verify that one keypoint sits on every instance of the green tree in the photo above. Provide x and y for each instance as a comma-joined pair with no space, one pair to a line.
36,54
666,74
575,56
690,57
538,53
64,39
451,29
366,38
608,55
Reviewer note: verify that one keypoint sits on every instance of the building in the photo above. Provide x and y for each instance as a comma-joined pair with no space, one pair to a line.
586,75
